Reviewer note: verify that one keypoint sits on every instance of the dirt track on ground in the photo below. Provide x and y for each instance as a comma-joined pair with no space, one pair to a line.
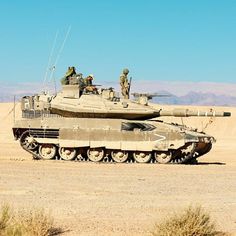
121,199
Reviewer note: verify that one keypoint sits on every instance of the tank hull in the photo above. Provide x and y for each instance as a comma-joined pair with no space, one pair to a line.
118,140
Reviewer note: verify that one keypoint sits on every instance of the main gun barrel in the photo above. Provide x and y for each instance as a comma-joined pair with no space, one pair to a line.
187,112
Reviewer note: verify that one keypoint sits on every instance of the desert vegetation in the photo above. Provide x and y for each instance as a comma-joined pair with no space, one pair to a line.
192,221
33,222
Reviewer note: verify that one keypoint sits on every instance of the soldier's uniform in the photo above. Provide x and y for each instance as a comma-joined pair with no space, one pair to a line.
70,72
89,88
88,80
124,83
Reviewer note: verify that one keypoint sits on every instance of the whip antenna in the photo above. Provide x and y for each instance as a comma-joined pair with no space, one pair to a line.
59,53
50,58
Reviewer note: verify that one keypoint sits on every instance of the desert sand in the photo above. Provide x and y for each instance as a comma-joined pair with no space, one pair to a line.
122,199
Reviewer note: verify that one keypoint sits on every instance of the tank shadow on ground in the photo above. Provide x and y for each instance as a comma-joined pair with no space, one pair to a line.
210,163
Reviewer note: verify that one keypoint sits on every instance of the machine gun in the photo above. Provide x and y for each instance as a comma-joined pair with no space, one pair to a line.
143,98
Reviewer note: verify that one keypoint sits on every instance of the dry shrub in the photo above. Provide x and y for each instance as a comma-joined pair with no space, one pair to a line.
193,221
7,220
37,223
26,223
5,217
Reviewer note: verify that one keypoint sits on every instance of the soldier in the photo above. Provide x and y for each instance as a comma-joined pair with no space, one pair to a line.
124,83
89,88
70,72
89,80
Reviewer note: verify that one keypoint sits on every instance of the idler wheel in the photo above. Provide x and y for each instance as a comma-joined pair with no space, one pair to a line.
142,157
95,154
119,156
28,141
47,151
67,154
163,157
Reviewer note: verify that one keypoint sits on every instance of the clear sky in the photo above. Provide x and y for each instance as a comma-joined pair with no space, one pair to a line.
178,40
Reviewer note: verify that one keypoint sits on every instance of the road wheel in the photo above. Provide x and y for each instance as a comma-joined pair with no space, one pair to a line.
67,154
142,157
119,156
95,154
47,151
163,157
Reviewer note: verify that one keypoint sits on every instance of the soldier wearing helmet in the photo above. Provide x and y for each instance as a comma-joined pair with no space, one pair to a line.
89,80
124,83
70,73
89,88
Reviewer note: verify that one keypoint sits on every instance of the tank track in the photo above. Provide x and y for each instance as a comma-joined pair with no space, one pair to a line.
199,153
186,155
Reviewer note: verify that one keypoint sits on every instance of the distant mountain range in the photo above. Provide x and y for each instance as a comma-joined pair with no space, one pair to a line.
196,98
10,97
191,98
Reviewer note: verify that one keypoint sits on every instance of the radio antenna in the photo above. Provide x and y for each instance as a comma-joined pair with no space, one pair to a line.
59,54
50,59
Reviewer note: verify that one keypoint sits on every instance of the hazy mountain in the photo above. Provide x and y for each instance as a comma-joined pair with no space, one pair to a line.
10,97
195,98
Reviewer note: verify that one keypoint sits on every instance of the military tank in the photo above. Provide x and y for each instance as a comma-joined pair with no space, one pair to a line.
93,125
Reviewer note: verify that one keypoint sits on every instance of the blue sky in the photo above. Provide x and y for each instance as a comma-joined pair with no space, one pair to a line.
157,40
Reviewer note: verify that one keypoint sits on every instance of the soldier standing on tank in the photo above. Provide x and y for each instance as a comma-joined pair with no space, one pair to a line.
124,83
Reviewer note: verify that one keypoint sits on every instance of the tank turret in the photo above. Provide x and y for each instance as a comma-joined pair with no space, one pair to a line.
72,102
86,123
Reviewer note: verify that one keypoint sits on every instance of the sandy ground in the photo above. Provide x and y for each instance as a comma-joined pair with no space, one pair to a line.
122,199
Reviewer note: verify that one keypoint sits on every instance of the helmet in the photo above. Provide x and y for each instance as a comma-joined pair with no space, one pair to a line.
71,71
91,77
126,71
